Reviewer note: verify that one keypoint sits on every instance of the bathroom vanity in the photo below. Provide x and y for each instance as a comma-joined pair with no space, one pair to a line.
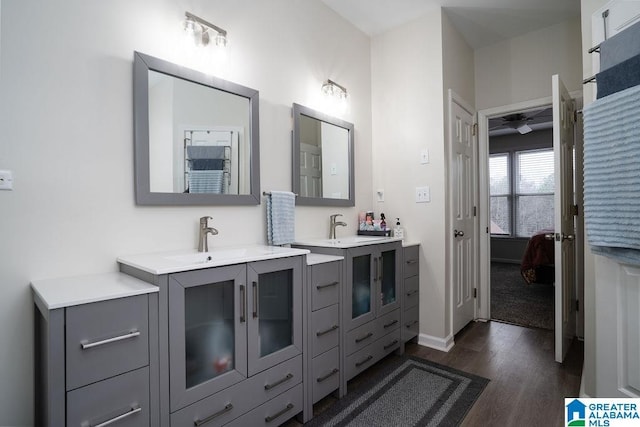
371,309
95,352
230,334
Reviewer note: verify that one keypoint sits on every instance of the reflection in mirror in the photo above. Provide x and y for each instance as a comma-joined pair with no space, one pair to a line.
196,137
322,159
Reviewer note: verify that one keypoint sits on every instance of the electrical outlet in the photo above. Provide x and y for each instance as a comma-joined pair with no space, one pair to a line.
6,180
423,195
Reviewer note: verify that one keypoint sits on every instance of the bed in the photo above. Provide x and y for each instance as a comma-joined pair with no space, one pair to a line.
537,264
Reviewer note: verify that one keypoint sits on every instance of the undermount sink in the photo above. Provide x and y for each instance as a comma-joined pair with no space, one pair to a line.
207,257
172,262
348,241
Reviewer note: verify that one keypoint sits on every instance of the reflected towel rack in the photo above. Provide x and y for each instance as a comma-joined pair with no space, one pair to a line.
591,79
268,193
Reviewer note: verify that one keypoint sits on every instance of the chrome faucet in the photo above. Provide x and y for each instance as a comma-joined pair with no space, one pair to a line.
203,244
333,224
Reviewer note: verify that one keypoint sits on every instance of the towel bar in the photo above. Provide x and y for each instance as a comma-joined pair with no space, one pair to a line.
268,193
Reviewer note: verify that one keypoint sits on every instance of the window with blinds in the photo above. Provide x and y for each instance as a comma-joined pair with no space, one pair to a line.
521,190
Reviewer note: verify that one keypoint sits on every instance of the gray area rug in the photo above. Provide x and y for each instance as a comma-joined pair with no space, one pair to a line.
409,391
514,301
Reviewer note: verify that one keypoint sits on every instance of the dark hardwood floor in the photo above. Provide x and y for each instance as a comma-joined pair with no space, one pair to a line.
527,386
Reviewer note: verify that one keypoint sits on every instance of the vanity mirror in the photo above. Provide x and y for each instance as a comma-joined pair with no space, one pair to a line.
196,137
322,159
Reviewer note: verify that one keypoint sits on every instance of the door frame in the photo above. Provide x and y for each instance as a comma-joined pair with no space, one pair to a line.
484,208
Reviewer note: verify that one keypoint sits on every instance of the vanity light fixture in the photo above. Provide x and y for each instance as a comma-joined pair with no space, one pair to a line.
332,88
199,29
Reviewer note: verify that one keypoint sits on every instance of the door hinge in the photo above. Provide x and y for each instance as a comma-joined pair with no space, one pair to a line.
487,230
475,211
475,292
577,305
474,129
575,211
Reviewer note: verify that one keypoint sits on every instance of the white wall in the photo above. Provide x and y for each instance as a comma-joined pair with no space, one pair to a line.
520,69
407,117
66,131
412,69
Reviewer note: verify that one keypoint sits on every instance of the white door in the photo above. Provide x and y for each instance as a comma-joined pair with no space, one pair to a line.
462,182
565,290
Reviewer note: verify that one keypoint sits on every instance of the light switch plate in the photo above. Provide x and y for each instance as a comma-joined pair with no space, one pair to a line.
424,157
423,194
6,180
380,195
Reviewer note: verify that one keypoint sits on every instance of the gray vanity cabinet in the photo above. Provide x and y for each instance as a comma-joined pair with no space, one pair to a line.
324,331
411,292
230,342
96,340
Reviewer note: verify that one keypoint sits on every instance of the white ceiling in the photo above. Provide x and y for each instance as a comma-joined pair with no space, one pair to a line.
481,22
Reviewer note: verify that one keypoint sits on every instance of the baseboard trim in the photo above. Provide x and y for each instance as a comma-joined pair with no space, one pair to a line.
442,344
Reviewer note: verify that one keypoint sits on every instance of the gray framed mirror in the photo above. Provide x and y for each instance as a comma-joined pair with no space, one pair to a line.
196,137
323,172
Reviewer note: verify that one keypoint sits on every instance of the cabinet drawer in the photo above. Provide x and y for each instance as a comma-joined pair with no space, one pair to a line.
411,291
325,329
361,337
325,284
238,399
411,264
387,343
410,323
361,360
123,399
387,323
325,374
274,412
106,338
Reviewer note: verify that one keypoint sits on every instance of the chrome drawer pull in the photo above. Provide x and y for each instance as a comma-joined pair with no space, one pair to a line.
410,324
224,410
391,344
243,304
255,300
86,345
277,383
412,261
329,375
132,411
388,325
369,335
276,415
318,287
331,329
362,362
415,291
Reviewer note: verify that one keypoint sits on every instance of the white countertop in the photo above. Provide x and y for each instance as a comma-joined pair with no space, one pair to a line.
347,242
176,261
406,244
313,259
70,291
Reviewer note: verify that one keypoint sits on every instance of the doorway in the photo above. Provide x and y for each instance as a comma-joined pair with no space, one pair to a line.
512,112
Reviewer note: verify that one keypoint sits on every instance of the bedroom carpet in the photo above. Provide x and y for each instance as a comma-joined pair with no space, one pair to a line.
514,301
406,391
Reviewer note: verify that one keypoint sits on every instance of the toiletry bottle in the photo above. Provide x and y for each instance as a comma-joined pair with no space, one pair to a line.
383,223
398,231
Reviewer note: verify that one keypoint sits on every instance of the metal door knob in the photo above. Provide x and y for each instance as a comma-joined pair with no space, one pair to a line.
457,233
569,237
549,236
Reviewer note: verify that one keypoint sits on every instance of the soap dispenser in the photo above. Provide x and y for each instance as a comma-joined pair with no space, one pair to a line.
398,231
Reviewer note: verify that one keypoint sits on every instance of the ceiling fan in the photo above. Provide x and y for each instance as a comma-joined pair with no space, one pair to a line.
521,121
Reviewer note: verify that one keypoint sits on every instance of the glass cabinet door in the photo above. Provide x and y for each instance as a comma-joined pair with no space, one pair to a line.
360,291
388,278
275,312
207,332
